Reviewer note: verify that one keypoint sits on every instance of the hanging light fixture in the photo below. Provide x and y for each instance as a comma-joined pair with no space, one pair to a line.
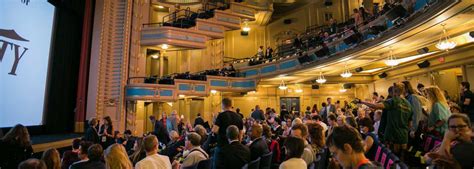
164,46
346,73
298,89
213,91
444,42
391,60
282,85
245,25
321,78
342,89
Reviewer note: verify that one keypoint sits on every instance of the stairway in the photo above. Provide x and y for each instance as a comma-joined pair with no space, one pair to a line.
191,29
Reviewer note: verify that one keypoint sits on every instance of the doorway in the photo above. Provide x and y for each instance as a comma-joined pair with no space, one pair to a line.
290,102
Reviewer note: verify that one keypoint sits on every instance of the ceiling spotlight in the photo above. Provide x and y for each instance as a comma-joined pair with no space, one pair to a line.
444,42
164,46
282,85
213,91
155,56
391,60
321,78
346,73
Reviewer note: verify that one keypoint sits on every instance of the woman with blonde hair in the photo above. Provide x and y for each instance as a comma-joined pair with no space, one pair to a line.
116,157
439,111
52,159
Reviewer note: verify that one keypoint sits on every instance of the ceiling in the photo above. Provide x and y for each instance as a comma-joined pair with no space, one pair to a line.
403,46
283,7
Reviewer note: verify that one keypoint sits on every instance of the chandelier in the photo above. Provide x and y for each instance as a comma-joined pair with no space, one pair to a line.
282,85
444,42
298,89
391,60
245,25
321,78
346,73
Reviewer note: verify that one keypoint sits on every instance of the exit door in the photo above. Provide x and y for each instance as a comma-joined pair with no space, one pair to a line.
290,102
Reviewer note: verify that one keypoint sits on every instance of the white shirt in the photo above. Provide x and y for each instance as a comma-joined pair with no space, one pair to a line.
154,162
293,163
376,127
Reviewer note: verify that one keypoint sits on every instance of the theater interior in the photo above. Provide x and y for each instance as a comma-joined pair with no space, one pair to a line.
132,59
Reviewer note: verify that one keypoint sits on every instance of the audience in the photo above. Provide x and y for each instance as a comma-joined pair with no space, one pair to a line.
153,159
301,131
51,159
32,163
294,150
195,153
258,146
233,155
71,156
91,157
116,157
15,146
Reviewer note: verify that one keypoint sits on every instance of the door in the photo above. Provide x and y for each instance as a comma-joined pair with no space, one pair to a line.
290,102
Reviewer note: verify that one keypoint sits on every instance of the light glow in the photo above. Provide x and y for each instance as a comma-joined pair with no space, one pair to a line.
164,46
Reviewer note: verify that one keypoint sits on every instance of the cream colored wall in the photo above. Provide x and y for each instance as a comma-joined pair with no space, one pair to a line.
238,46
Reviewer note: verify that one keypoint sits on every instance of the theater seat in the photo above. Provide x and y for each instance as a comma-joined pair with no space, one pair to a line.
266,161
255,164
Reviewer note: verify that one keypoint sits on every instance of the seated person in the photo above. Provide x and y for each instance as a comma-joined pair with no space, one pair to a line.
259,146
294,150
93,158
195,152
153,159
71,156
233,155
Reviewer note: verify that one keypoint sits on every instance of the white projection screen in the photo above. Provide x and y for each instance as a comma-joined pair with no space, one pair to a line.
25,42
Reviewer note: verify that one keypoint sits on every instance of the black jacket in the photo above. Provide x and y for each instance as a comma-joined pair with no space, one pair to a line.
258,148
12,154
199,121
91,135
88,164
233,156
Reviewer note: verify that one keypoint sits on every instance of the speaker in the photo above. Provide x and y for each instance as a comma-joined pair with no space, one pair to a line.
423,50
471,34
348,85
314,86
244,33
383,75
396,12
359,69
327,2
287,21
424,64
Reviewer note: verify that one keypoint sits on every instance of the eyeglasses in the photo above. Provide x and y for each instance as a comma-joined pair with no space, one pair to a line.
457,127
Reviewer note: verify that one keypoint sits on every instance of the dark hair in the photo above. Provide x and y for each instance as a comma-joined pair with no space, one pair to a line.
302,128
194,138
367,122
324,104
232,132
76,143
95,152
376,94
308,108
18,135
267,132
316,117
226,102
315,131
420,85
332,117
85,146
328,98
345,135
463,117
32,163
351,121
283,107
466,85
109,121
129,132
294,147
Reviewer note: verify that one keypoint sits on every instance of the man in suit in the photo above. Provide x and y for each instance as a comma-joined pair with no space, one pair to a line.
330,108
160,130
234,155
92,159
259,146
91,133
198,120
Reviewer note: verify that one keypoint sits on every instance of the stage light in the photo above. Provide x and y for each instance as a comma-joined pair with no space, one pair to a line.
444,42
164,46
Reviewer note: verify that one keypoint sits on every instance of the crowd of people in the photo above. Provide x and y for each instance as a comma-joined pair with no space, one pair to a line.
342,133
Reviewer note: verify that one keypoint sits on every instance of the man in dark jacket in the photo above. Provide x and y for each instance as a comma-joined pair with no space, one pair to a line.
92,160
259,146
91,132
198,120
234,155
160,130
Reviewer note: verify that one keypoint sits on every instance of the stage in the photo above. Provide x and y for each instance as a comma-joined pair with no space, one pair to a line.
58,141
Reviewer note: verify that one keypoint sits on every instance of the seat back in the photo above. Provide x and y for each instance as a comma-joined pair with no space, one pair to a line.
266,161
205,164
195,166
255,164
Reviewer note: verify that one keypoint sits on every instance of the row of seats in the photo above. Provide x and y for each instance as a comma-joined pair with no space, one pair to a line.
386,158
263,162
188,19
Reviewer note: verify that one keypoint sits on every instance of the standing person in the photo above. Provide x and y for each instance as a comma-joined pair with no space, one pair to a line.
258,114
367,128
51,159
294,150
259,146
439,111
417,109
314,110
159,129
106,132
234,155
284,113
225,119
198,120
346,145
269,52
91,132
398,111
260,52
92,159
15,147
238,112
308,111
71,156
467,100
172,122
358,21
116,157
153,159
